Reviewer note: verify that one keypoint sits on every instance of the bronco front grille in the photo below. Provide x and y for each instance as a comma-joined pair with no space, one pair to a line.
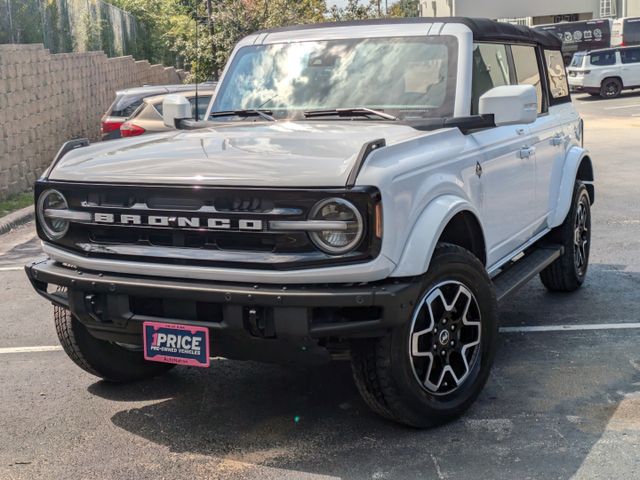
167,224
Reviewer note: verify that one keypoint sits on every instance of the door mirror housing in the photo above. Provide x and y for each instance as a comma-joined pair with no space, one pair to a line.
174,108
510,104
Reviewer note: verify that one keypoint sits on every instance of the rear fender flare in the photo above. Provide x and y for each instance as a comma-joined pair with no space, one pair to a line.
426,232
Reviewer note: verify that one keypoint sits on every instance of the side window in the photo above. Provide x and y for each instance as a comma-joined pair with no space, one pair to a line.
203,103
128,110
558,85
490,69
525,61
606,57
630,55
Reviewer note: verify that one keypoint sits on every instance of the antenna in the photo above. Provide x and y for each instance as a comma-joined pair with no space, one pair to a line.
196,64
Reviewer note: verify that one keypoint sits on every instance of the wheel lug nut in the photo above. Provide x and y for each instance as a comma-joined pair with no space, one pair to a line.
453,327
443,353
444,320
435,347
452,343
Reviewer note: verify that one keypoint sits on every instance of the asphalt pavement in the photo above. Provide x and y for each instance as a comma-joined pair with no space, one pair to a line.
563,400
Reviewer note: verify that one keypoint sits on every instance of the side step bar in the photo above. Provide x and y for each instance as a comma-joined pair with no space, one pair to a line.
516,274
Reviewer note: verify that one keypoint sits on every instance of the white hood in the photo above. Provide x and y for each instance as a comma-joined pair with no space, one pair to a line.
282,154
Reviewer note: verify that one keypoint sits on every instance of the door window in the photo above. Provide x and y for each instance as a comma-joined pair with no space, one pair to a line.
490,69
528,71
604,58
630,55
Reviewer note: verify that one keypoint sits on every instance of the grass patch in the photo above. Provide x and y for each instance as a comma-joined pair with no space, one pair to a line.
15,202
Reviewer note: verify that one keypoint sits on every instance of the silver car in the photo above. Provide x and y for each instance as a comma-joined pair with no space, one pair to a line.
128,100
148,117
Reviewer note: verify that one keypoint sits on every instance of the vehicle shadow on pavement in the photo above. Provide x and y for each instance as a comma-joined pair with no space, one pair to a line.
631,94
551,396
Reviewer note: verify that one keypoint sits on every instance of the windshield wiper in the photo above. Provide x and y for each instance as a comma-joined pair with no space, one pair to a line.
349,112
249,112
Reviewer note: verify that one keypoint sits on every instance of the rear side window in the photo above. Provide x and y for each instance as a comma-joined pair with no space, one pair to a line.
528,71
490,69
558,85
630,55
126,111
604,58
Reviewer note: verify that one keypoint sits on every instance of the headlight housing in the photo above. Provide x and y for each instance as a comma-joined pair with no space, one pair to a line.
342,212
50,208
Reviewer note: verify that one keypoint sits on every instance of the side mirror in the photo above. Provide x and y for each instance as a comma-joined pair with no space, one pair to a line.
175,107
510,104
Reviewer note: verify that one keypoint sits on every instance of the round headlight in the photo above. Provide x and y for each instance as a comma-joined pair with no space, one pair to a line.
50,203
340,240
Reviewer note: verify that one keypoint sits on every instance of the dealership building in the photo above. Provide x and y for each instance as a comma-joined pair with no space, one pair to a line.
529,12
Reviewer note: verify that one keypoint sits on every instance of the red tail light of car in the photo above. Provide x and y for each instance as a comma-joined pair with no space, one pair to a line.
109,125
129,129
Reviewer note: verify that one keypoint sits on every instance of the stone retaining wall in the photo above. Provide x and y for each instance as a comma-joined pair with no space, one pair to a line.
48,99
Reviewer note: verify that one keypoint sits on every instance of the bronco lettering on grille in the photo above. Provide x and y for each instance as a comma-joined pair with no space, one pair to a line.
178,222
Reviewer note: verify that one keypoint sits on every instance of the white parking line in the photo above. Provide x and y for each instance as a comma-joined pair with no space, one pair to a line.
566,328
622,106
12,269
522,329
45,348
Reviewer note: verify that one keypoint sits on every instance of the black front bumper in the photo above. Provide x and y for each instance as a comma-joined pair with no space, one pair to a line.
262,322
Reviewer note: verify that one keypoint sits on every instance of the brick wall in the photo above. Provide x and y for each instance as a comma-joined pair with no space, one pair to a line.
47,99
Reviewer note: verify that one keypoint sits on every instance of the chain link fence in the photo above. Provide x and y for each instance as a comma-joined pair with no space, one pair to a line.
72,26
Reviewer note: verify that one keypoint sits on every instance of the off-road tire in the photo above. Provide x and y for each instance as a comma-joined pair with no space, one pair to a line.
610,87
563,275
382,367
103,359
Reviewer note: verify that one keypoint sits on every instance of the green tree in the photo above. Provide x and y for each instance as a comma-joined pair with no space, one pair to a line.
405,8
354,10
234,19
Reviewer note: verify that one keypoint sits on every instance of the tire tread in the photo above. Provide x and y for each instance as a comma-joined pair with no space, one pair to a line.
372,374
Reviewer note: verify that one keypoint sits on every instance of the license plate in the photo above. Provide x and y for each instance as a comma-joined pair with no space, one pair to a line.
178,344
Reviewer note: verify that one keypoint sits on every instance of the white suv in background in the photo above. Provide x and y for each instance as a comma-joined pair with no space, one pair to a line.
605,72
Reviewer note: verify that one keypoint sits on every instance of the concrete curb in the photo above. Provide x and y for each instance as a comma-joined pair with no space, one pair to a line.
17,218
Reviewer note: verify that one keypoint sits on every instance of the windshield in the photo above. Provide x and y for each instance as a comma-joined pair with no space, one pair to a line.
405,76
577,60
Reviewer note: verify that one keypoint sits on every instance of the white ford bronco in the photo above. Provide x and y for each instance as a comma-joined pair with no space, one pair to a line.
367,190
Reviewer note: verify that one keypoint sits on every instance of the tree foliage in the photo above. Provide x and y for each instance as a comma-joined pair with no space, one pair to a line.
405,8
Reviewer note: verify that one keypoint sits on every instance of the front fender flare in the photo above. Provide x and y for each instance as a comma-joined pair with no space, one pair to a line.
574,158
422,241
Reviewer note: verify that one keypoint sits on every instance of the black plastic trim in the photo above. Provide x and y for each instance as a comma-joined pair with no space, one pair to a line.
395,299
365,151
66,148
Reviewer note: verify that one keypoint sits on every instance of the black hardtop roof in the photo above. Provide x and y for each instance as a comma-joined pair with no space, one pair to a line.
484,30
